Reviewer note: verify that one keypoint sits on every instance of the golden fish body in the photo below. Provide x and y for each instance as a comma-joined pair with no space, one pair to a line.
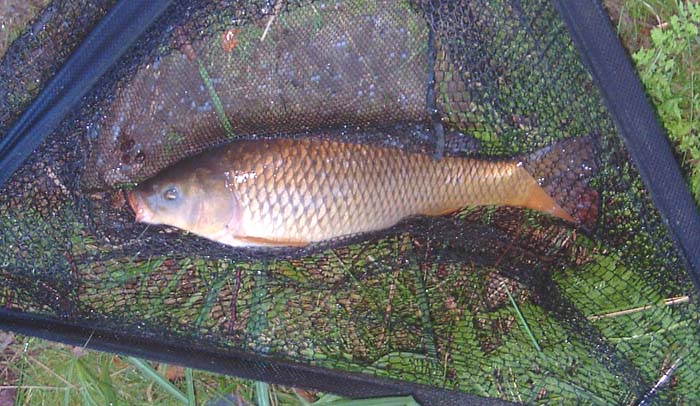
285,192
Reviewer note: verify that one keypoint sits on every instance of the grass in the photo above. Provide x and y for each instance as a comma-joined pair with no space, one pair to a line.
55,374
670,71
665,50
662,37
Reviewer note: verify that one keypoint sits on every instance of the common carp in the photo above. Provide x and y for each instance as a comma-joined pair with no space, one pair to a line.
292,192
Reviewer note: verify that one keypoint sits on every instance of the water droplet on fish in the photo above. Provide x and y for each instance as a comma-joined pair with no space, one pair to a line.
205,107
93,131
115,130
140,157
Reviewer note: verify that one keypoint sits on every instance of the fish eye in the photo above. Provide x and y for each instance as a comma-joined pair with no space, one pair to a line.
170,194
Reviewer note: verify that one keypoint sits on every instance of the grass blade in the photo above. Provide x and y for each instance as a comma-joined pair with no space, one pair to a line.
157,378
88,382
190,387
327,398
522,320
209,302
388,401
218,106
262,393
69,377
259,306
424,305
19,398
105,382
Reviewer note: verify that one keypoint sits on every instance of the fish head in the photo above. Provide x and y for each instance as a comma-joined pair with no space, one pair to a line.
194,199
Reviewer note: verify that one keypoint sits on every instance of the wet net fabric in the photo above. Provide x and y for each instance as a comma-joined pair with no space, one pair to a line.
496,302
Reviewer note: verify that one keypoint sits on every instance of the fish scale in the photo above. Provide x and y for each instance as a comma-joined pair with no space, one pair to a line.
363,188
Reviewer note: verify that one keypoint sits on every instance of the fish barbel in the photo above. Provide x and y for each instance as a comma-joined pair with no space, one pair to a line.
292,192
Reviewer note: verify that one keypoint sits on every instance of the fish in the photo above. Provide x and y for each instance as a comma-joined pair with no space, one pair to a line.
292,192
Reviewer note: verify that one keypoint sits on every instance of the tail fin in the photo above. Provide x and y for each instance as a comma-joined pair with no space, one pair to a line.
563,171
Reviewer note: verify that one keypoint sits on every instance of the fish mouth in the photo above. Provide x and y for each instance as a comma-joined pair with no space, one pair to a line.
137,207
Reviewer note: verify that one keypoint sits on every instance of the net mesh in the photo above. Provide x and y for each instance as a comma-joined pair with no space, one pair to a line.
498,302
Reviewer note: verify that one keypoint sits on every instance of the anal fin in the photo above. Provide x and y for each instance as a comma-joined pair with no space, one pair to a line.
266,242
538,199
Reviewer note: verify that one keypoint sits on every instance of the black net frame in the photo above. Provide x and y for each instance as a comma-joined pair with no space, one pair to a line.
624,98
